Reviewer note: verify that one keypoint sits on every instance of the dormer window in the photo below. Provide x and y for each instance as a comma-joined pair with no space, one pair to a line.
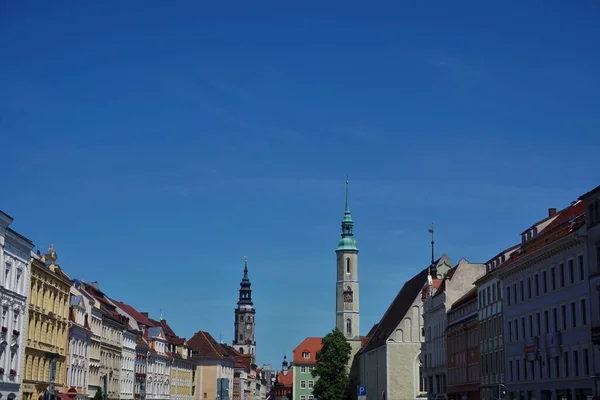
305,355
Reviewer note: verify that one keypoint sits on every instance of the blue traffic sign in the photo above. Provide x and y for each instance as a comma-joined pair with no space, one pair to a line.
362,390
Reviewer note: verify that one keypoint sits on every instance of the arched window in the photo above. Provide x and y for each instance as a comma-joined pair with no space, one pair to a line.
241,350
347,265
348,327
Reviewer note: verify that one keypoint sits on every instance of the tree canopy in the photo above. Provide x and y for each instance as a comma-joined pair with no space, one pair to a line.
332,368
98,395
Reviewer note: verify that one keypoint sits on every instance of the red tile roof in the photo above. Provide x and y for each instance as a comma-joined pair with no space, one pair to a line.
567,221
310,345
170,334
286,380
139,317
205,347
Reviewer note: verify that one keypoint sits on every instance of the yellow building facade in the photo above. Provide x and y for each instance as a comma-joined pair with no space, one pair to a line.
182,373
47,327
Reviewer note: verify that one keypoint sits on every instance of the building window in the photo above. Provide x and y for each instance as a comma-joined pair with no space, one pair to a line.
348,326
303,384
529,287
573,316
581,268
303,397
553,278
508,295
586,362
536,279
571,272
561,271
563,316
566,360
347,265
546,321
575,363
303,369
306,355
311,384
583,312
510,331
544,282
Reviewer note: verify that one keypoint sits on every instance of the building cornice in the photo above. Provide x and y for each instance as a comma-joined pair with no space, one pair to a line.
540,255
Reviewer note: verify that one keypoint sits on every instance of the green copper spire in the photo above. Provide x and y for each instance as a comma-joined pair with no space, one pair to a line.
347,242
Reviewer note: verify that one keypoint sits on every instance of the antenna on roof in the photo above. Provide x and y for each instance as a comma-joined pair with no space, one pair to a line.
432,249
161,315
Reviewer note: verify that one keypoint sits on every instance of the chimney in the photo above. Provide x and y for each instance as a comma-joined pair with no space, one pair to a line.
551,212
95,285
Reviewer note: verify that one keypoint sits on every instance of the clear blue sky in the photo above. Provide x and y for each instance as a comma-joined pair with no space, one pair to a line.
156,143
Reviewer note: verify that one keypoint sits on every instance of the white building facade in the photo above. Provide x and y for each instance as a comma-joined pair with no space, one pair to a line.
78,357
94,350
546,306
15,255
491,339
128,367
457,282
159,366
592,217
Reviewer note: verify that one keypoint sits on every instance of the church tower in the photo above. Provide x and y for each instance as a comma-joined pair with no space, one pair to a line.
346,299
243,339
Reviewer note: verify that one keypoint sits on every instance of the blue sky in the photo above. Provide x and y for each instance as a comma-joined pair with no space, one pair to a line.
157,143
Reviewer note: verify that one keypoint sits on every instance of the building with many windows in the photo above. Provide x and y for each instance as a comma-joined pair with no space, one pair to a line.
214,367
455,284
304,361
182,367
462,346
15,254
546,306
78,359
95,323
128,364
111,345
592,216
491,338
47,331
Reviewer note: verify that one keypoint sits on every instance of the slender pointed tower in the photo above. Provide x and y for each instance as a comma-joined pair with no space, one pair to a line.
347,299
243,339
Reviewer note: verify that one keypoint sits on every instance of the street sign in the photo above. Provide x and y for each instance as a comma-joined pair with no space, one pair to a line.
72,393
361,390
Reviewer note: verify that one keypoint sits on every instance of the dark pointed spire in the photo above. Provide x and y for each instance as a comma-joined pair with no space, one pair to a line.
245,287
347,242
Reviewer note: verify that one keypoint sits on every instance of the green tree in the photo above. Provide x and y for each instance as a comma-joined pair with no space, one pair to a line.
332,368
98,395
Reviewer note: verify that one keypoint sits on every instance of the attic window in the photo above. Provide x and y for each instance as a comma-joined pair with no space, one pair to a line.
306,355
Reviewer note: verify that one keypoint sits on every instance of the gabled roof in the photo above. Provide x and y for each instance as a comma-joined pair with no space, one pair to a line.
286,380
205,347
310,345
397,310
108,309
170,334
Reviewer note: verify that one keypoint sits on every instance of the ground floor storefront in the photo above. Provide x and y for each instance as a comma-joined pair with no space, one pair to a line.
580,389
